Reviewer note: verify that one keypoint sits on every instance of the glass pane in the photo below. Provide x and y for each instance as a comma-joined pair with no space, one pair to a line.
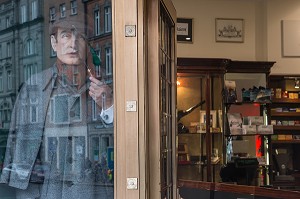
56,128
192,138
167,134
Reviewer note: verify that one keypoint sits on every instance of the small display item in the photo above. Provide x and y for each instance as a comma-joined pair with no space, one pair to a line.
285,94
235,123
249,129
265,129
280,137
256,120
278,93
288,137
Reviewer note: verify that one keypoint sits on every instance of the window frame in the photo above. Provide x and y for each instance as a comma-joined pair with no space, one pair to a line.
97,19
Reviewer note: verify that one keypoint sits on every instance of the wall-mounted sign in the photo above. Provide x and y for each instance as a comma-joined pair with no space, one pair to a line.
184,30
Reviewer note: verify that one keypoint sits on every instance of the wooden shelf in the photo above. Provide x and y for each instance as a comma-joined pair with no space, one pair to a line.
286,128
285,101
249,134
285,114
285,141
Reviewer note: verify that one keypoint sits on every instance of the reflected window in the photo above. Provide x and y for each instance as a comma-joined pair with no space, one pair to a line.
94,110
7,21
73,7
62,10
1,82
29,47
23,14
9,80
52,14
108,61
8,50
5,112
34,10
29,71
97,22
107,18
33,110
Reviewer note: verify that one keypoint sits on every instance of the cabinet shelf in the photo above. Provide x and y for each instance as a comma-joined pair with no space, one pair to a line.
285,114
286,128
249,134
285,141
285,101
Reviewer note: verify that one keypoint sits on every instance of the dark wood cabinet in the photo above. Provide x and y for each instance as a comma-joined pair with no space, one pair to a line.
285,143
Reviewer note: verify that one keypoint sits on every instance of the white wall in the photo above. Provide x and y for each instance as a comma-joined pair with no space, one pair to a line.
262,40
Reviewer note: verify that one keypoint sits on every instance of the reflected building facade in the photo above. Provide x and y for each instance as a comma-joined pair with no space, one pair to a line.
25,50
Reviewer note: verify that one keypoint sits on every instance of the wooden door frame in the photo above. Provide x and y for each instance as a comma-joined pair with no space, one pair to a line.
136,144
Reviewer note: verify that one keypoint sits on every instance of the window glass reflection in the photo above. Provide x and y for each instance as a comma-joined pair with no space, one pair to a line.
56,102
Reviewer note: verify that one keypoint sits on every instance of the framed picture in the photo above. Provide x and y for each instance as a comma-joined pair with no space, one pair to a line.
213,118
229,30
290,38
184,30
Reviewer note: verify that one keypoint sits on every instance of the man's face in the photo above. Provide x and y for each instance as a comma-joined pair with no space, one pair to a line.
69,46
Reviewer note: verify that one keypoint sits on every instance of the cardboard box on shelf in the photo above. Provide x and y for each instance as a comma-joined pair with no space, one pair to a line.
256,120
288,137
278,93
249,129
280,137
274,137
265,129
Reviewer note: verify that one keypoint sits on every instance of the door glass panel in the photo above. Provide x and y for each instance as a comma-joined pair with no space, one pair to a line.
193,141
56,128
166,73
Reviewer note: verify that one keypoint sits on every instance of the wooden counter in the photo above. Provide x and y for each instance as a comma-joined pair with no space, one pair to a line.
251,191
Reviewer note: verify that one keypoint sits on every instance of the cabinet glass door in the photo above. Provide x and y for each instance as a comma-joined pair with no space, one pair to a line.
200,153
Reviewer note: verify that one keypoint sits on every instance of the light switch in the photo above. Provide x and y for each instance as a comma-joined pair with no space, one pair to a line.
132,183
130,106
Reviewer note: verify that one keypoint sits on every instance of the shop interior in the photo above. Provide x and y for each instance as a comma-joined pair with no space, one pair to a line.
251,138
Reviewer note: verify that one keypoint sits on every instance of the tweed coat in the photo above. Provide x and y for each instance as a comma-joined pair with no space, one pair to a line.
24,143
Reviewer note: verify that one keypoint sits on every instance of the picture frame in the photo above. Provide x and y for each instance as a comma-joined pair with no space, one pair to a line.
229,30
184,30
290,38
213,118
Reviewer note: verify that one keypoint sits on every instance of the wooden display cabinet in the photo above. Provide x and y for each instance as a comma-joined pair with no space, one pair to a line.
246,145
285,143
201,82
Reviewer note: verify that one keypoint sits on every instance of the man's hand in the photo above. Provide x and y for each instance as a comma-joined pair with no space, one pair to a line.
99,91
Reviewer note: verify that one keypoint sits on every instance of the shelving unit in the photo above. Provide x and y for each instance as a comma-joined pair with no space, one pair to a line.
247,74
285,143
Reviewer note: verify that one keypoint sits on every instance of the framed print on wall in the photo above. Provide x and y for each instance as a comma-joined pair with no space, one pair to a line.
184,30
229,30
290,38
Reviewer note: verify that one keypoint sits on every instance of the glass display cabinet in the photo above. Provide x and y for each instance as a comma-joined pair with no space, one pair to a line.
200,138
285,142
206,146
